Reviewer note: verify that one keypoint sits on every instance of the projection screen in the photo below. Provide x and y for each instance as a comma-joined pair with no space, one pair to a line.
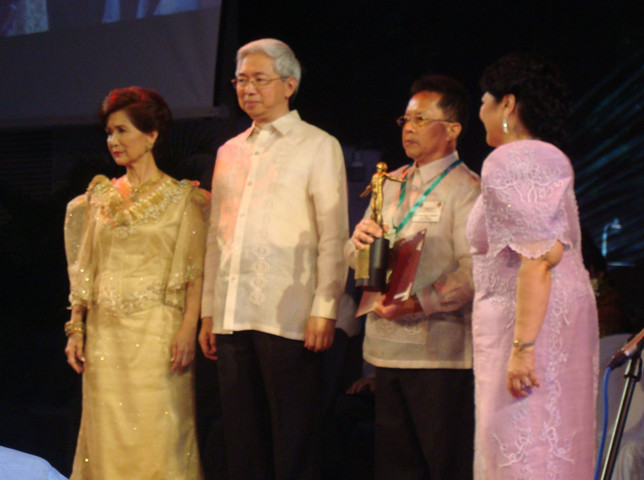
59,58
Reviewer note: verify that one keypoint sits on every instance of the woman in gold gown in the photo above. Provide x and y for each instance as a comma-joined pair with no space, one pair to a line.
135,249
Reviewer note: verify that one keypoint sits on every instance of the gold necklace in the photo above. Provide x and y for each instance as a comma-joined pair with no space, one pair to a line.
135,192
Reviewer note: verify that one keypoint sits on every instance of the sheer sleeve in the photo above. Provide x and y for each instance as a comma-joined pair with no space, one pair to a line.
79,229
525,187
188,258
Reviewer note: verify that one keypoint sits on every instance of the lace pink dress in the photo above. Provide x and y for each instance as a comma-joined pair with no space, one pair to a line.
528,203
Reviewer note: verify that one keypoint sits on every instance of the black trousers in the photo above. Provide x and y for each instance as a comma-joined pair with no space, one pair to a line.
424,424
271,400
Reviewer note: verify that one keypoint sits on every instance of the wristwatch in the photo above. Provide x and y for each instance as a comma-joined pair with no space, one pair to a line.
520,346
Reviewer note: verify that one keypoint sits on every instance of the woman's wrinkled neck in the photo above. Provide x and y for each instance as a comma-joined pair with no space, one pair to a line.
141,172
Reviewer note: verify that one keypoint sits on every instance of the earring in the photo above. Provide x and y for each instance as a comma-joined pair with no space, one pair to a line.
148,147
505,126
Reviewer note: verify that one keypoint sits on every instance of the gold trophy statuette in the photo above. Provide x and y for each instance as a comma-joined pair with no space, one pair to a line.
371,263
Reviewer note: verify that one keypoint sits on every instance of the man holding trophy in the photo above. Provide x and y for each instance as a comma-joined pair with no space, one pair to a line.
421,343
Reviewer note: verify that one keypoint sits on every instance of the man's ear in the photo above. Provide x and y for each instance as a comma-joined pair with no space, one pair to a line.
454,129
291,85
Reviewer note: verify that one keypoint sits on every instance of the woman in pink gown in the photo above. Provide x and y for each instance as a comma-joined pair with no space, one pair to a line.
534,320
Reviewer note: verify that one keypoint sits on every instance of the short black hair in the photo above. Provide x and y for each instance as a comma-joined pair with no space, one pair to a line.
455,99
541,93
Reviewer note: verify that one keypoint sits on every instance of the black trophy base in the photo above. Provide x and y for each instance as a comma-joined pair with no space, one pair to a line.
371,270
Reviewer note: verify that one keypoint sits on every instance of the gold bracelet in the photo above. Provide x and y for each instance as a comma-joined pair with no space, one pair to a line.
520,346
72,327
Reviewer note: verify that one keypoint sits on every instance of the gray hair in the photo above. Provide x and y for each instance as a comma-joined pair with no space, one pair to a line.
284,61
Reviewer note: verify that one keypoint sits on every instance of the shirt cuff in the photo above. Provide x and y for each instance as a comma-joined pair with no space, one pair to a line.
428,298
206,306
350,253
324,307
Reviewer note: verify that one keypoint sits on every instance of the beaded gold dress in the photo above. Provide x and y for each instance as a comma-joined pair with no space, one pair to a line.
130,254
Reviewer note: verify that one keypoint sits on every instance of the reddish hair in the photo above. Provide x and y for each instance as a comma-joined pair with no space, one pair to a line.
146,109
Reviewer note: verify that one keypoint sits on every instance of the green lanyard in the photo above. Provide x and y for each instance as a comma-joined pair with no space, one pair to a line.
403,190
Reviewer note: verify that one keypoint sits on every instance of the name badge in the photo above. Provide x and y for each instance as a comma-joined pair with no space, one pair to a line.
429,212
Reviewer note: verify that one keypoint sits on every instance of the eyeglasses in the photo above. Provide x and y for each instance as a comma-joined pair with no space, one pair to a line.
260,82
418,120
